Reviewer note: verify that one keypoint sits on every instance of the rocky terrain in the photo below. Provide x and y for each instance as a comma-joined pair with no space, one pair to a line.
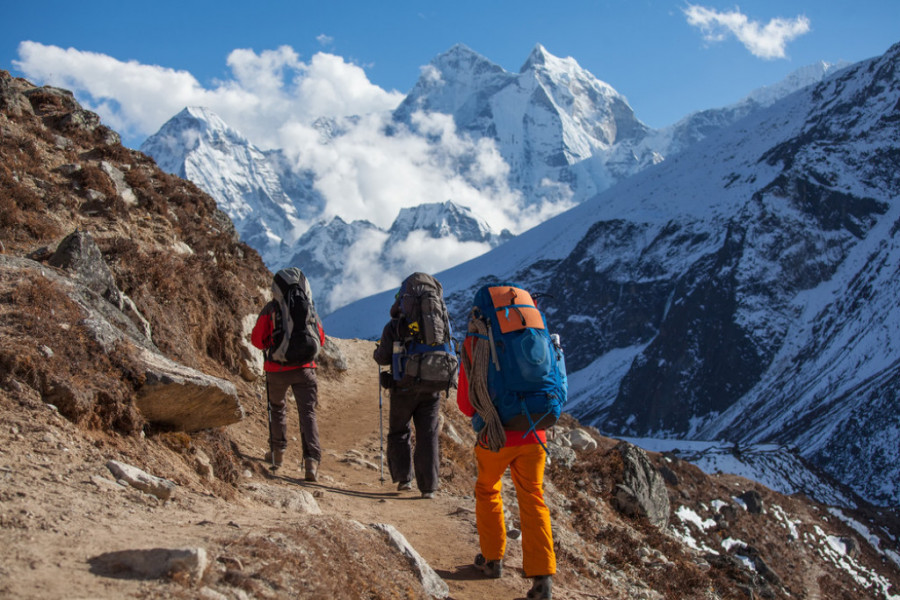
133,425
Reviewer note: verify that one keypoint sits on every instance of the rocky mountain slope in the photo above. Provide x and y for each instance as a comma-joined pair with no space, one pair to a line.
692,295
122,286
267,201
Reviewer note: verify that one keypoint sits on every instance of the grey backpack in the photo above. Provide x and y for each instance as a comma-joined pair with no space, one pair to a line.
428,359
295,338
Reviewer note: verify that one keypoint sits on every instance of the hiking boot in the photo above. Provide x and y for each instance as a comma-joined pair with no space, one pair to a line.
275,458
489,568
541,589
404,486
428,495
312,466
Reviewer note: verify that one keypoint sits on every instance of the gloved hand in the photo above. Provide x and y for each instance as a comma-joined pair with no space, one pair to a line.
386,379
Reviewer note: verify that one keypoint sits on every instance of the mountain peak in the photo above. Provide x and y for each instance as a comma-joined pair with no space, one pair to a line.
462,59
538,57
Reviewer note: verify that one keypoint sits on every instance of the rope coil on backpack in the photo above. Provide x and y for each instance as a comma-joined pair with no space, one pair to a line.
493,436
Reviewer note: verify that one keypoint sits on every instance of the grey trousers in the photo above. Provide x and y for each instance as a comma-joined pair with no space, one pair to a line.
423,409
304,384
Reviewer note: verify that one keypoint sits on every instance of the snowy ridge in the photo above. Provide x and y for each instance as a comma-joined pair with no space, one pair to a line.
686,284
562,133
266,200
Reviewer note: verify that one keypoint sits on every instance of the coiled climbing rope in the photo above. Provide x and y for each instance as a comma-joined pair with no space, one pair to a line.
493,436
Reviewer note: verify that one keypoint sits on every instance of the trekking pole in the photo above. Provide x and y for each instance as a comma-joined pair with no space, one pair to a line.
269,416
380,426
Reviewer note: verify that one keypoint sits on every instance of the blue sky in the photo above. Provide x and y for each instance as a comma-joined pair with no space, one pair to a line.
650,51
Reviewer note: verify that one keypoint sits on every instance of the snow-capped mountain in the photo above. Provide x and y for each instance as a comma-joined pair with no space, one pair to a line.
697,126
380,258
267,200
564,135
745,287
554,122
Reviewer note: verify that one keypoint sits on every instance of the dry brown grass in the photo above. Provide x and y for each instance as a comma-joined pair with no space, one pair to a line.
46,345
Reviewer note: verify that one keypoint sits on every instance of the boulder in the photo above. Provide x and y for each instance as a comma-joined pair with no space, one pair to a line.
580,440
172,394
136,478
561,455
331,358
293,500
184,398
155,563
642,491
431,581
79,254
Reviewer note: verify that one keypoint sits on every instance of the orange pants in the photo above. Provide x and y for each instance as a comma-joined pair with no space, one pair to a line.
526,465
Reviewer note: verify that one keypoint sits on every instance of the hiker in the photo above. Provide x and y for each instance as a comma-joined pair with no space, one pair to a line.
290,333
494,384
418,327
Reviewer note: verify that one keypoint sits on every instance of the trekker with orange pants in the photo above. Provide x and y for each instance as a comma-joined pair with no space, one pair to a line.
524,455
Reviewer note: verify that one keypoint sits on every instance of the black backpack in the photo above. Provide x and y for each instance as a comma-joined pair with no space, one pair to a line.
426,360
295,337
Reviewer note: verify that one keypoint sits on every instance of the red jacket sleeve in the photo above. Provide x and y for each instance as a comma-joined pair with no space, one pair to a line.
261,337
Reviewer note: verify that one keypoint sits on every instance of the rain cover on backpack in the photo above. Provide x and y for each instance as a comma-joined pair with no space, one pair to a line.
428,361
526,378
295,338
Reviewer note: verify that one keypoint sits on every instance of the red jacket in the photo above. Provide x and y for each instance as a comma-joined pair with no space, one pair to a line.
261,337
513,438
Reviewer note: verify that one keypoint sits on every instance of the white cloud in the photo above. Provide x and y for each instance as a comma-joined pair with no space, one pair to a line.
266,89
361,278
366,174
324,40
764,41
275,99
421,252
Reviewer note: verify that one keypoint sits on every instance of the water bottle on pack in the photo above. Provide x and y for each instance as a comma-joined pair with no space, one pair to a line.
560,357
397,357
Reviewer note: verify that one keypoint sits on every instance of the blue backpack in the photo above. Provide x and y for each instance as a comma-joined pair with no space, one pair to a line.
526,378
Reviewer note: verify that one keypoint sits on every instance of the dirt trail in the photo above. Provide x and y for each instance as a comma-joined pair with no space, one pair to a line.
59,507
441,529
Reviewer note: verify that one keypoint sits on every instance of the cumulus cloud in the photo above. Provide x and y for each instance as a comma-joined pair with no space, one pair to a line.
324,40
366,174
328,119
764,41
361,276
265,90
420,252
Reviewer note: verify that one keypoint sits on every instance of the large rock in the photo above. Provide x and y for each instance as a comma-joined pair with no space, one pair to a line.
155,563
79,254
136,478
642,491
293,500
331,357
431,581
184,398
